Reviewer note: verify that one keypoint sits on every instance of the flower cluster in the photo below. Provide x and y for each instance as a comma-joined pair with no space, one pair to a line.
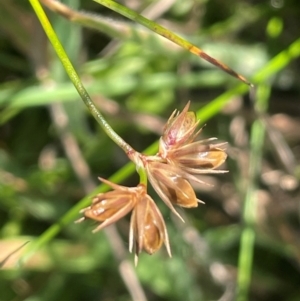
179,148
147,227
181,159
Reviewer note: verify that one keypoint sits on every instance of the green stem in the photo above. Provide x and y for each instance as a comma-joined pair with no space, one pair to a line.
143,175
75,78
249,212
169,35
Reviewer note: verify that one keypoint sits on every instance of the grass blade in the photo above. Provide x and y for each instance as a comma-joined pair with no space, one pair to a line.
170,36
249,212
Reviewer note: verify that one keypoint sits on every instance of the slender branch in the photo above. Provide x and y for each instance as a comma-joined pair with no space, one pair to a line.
249,212
75,78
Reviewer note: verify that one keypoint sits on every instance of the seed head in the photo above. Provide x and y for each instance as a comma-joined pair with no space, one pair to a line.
180,160
110,206
172,185
178,146
179,130
147,228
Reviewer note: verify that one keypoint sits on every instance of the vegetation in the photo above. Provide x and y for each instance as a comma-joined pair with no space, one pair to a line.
243,243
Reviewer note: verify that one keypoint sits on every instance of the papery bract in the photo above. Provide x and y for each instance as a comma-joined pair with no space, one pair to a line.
172,185
198,157
180,129
178,145
147,228
110,206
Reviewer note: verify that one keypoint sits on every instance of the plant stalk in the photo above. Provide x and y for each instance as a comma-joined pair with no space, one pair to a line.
75,78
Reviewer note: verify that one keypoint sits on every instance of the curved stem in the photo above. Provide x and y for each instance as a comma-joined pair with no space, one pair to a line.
75,78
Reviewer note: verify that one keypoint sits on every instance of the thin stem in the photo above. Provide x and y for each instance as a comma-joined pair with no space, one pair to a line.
249,212
170,36
75,78
143,176
138,160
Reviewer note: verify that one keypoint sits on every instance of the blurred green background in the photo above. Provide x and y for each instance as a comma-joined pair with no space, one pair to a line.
52,150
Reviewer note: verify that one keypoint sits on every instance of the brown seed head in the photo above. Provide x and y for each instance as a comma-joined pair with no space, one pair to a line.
172,185
110,206
179,130
147,228
198,157
178,146
181,159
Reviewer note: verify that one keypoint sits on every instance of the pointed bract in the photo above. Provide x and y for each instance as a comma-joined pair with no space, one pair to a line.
110,206
178,147
198,157
172,185
181,159
180,129
147,228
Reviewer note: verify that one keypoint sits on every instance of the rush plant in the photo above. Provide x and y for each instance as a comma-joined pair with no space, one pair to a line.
180,160
172,164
